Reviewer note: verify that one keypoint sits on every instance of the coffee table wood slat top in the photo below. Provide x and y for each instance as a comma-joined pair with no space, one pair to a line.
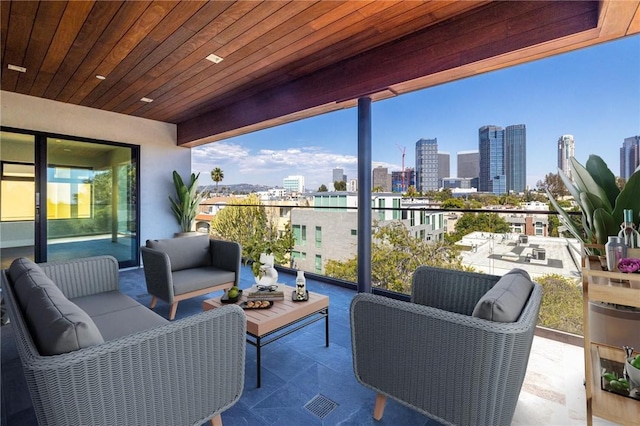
282,313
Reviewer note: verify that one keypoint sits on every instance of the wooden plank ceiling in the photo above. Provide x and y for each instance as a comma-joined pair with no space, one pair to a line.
282,60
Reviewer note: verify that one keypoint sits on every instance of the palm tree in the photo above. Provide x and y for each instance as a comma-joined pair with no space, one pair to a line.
217,175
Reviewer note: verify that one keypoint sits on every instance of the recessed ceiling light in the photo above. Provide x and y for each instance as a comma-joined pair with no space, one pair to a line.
100,77
146,100
16,68
214,58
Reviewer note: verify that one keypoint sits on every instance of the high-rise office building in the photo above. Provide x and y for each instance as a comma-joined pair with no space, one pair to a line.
339,176
468,164
400,184
427,165
515,157
491,147
444,167
293,183
566,150
381,179
629,156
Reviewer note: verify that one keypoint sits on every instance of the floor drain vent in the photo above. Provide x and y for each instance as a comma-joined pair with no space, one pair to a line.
321,406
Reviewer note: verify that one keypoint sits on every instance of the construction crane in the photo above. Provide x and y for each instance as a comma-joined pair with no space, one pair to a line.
402,150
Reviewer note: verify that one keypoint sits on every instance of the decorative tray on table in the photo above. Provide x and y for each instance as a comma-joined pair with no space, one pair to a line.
294,296
226,299
257,304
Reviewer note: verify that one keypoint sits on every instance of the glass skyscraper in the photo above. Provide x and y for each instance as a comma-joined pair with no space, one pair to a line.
468,164
566,149
491,147
515,158
629,156
427,165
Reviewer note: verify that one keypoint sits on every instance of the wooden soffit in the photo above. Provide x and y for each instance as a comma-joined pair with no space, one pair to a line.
490,37
282,60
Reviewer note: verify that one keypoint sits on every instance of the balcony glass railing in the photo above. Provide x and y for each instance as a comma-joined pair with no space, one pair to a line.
326,244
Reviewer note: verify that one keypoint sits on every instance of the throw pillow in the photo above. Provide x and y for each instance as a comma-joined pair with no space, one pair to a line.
505,300
184,252
24,274
58,325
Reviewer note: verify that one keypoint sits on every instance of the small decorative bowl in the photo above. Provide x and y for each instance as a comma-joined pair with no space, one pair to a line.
633,372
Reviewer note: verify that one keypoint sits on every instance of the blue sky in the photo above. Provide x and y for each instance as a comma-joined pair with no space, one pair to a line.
592,93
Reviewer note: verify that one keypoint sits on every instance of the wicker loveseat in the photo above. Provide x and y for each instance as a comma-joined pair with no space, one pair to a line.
94,356
458,352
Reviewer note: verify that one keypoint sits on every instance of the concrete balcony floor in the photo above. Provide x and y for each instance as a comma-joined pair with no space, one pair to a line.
298,368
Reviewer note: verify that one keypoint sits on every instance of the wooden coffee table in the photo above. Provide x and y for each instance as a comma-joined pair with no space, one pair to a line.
283,318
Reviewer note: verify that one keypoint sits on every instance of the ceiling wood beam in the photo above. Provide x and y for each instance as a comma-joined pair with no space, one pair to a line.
483,33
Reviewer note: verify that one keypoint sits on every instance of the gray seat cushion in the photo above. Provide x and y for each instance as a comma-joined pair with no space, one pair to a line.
505,300
117,315
199,278
184,252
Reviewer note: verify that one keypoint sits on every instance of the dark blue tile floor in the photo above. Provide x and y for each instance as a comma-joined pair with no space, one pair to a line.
295,369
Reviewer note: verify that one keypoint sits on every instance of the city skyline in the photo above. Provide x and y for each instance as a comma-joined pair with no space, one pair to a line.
591,93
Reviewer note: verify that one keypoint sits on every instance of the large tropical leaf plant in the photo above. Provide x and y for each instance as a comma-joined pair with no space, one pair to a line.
600,200
185,205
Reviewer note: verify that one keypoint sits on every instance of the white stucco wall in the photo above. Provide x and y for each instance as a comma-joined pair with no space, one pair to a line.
159,154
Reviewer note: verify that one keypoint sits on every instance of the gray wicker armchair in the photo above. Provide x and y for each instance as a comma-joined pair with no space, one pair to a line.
432,355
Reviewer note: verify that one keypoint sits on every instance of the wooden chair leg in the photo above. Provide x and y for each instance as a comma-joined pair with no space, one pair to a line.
216,421
154,300
172,313
378,409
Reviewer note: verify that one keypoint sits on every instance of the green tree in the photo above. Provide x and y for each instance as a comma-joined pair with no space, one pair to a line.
342,269
561,307
443,194
554,224
452,203
481,222
395,254
377,188
240,224
322,188
411,191
509,200
246,222
217,175
553,183
340,185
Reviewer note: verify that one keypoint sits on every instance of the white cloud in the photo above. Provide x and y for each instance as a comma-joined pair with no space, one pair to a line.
270,166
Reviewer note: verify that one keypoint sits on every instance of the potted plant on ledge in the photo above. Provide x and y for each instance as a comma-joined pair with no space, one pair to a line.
602,205
186,202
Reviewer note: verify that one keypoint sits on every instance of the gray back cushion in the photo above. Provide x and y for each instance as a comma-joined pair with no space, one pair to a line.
505,300
24,274
184,252
56,325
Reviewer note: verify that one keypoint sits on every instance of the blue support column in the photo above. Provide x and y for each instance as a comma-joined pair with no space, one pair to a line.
364,195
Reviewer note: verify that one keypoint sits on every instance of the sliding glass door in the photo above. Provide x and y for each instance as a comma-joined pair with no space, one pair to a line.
78,199
91,200
17,197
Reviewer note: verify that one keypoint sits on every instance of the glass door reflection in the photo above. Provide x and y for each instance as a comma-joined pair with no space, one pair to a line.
91,201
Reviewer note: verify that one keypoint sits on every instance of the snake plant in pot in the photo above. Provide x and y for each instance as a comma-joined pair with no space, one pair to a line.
186,202
601,202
